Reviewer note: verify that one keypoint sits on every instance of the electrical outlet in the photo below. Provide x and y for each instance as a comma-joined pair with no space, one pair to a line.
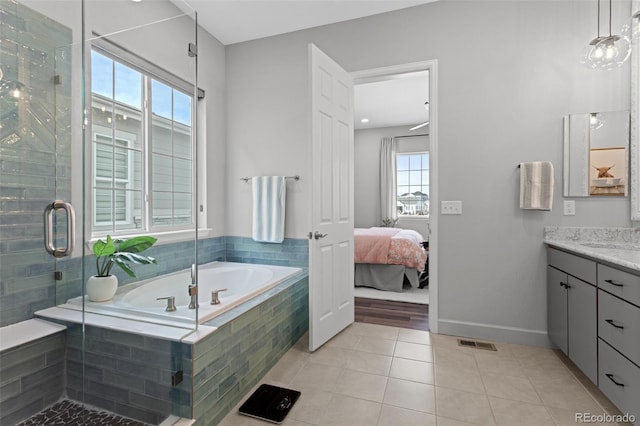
569,207
451,207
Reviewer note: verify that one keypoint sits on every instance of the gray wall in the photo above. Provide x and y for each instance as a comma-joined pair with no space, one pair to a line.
507,73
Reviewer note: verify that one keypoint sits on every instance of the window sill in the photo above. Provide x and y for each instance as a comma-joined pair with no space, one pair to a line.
164,237
425,218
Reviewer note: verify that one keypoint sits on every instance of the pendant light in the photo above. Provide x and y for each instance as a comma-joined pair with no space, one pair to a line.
606,52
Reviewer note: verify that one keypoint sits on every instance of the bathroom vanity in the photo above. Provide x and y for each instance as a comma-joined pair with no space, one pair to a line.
593,299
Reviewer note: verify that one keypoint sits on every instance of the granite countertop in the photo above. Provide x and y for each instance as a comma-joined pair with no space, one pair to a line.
618,246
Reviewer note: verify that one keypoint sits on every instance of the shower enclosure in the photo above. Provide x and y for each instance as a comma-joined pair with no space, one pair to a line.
98,136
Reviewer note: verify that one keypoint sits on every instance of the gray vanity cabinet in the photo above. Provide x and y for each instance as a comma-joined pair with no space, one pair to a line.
571,304
619,338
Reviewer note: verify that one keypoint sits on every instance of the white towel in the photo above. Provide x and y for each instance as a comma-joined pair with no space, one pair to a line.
536,185
268,208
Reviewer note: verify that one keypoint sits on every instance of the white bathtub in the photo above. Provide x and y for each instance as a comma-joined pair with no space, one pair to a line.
243,282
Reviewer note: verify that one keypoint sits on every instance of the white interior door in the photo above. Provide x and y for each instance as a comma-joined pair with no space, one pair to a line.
331,237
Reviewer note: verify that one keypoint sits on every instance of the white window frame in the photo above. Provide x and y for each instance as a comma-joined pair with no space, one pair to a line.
413,216
198,185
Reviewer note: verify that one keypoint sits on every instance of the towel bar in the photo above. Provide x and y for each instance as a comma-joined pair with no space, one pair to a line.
296,177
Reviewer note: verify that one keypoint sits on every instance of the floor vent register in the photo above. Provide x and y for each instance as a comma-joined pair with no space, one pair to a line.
475,344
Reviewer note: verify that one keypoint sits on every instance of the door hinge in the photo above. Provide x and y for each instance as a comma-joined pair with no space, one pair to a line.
192,50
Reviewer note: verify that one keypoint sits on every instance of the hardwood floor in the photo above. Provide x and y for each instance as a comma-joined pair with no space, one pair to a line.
397,314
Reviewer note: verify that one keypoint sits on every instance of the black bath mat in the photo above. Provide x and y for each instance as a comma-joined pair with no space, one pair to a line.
270,403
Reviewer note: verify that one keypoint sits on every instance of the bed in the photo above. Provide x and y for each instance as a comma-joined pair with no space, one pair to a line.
385,256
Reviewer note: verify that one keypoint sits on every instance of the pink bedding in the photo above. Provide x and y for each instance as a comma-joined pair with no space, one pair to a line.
389,246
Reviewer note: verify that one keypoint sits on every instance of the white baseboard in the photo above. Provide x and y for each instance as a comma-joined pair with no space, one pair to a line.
494,333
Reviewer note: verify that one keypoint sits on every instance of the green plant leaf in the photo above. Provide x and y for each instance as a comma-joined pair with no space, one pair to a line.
102,248
124,266
136,258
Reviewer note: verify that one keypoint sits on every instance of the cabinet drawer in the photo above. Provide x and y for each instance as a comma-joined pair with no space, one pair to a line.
623,284
619,380
579,267
619,325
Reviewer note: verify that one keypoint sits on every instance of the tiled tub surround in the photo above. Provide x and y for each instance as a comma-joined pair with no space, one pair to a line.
130,373
284,319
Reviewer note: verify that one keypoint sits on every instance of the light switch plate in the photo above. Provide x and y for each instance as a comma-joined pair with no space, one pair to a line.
451,207
569,208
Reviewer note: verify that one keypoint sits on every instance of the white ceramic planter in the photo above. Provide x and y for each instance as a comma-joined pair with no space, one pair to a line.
101,289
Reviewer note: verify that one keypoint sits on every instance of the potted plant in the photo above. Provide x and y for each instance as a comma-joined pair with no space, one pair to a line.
102,286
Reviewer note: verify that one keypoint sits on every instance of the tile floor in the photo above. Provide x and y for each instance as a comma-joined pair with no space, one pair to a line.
380,375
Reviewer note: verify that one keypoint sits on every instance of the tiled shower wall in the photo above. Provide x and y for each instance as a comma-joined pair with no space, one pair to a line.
32,377
35,154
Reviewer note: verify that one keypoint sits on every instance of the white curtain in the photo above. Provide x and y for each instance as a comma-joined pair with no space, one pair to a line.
388,179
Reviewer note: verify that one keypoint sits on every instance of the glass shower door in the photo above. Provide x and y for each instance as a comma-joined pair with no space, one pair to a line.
35,161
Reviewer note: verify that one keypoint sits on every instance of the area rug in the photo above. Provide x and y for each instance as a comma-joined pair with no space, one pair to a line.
411,295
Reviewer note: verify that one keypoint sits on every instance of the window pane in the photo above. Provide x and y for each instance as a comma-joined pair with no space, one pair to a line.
403,190
415,177
101,75
402,162
104,161
403,178
161,99
136,172
181,108
182,208
182,141
128,86
103,116
182,175
162,174
415,162
161,136
162,209
413,184
103,205
121,164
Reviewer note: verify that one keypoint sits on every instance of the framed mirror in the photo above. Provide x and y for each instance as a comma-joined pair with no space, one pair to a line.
635,117
596,154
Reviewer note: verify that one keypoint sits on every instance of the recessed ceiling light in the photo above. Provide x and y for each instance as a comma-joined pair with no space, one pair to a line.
364,120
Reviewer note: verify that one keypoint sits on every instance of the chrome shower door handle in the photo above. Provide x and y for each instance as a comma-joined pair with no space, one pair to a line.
48,228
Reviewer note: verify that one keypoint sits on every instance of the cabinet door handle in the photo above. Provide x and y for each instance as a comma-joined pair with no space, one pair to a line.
612,322
610,376
612,282
563,284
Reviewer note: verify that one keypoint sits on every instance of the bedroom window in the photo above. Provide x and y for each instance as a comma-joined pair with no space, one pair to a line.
142,149
412,184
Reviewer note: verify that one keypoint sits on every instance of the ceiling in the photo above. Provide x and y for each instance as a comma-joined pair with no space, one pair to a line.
392,102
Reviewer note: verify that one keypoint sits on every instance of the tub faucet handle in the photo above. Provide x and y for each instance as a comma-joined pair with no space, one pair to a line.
215,300
193,292
171,303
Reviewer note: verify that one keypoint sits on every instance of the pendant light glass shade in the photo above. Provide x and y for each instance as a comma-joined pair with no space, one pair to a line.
607,52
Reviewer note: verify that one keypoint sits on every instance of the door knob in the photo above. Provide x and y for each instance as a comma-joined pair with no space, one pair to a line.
318,235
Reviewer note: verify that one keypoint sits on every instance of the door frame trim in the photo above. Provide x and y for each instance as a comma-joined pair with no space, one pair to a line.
379,74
